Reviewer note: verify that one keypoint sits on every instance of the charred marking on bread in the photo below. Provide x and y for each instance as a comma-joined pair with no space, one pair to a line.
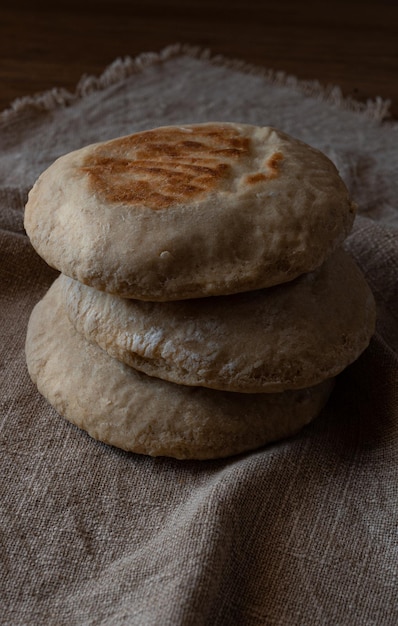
161,167
272,164
258,177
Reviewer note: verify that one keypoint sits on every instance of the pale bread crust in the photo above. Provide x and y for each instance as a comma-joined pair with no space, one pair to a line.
189,211
122,407
285,337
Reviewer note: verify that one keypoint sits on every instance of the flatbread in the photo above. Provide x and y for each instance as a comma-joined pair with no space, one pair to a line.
125,408
189,211
286,337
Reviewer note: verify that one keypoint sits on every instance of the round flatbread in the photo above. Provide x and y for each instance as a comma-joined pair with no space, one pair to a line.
286,337
125,408
189,211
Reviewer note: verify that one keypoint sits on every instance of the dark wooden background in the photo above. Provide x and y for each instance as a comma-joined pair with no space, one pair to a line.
350,43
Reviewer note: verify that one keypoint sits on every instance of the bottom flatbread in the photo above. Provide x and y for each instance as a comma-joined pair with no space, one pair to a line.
125,408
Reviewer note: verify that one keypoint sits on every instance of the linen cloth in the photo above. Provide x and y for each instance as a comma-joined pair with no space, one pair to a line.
304,531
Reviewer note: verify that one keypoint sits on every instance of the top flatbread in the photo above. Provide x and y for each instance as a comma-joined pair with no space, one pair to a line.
189,211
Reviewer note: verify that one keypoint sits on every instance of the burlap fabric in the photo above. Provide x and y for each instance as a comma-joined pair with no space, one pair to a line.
302,532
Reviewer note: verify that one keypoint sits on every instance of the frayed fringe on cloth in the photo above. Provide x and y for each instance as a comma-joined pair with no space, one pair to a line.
376,110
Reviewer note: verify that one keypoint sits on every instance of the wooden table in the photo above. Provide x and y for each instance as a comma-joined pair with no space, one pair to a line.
350,43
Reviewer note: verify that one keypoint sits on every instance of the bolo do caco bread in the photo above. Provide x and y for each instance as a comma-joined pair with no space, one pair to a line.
189,211
201,267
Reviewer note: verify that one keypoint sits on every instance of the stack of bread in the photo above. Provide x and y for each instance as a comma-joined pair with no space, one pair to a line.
205,304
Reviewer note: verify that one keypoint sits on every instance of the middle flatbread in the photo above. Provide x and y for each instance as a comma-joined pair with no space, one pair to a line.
291,336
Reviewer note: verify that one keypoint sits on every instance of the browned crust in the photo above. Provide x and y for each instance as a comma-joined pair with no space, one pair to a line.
161,167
